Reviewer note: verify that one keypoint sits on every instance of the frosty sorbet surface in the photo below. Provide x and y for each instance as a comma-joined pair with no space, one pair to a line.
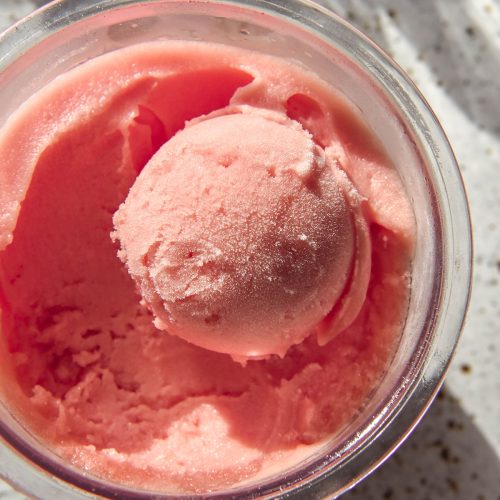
204,264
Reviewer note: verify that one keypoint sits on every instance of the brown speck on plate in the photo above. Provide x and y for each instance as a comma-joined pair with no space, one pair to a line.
466,368
470,31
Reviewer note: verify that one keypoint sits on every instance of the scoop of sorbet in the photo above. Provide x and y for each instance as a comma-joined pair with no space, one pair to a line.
241,237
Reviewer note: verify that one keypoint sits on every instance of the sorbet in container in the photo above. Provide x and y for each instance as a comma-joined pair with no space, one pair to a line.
235,251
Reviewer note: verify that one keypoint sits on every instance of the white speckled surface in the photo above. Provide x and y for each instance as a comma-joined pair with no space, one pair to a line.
452,51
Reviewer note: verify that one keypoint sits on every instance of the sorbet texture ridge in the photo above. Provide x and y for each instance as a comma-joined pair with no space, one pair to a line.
205,260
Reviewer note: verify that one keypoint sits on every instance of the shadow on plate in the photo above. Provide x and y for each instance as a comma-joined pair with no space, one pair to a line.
446,457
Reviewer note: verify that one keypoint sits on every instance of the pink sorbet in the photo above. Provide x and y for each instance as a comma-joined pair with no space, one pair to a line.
241,235
270,224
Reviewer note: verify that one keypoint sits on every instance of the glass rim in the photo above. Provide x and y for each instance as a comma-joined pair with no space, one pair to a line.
417,393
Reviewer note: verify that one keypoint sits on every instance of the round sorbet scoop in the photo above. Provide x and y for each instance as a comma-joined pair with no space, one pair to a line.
241,237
